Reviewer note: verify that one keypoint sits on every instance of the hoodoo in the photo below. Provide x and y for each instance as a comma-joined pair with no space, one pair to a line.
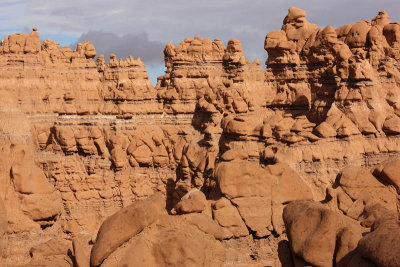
222,163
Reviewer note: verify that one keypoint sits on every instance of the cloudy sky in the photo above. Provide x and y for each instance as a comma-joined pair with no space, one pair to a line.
142,28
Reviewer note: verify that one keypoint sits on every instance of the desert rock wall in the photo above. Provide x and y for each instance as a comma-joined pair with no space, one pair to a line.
227,144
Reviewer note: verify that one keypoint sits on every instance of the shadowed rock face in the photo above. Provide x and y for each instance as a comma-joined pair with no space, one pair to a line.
31,201
241,158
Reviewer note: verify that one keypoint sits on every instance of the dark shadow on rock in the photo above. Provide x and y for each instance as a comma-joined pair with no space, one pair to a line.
171,199
354,259
284,254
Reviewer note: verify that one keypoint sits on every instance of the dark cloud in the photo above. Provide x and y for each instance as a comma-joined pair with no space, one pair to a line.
118,26
137,45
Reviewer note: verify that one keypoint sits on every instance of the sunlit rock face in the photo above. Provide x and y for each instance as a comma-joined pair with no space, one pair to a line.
222,159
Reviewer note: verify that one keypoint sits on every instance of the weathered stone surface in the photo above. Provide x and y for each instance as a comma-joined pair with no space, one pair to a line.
318,235
391,175
227,216
194,201
54,252
260,193
81,247
311,232
381,245
30,199
92,137
356,188
207,225
123,225
50,248
3,231
169,242
249,188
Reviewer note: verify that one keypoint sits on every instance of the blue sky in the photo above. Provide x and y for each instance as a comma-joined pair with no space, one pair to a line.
142,28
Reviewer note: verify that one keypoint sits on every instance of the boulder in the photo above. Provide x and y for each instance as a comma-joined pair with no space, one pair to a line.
381,246
249,188
227,216
170,242
318,235
391,125
259,194
124,224
192,202
391,174
355,188
207,225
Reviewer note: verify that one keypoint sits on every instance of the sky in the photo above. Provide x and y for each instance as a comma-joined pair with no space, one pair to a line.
143,28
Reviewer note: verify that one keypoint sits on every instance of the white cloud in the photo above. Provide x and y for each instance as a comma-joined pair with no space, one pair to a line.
173,20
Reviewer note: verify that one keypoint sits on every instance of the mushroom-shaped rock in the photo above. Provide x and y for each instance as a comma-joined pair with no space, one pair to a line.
113,63
250,126
90,51
234,52
297,28
382,19
32,44
280,50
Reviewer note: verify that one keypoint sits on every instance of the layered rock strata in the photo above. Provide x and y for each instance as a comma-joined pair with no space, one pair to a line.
227,147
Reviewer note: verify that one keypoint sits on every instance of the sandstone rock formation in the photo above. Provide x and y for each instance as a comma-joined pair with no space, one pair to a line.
30,199
100,168
124,224
54,252
319,236
259,193
356,188
322,237
381,245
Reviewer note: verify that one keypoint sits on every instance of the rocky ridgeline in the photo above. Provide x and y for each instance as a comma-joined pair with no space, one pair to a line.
66,81
220,164
213,77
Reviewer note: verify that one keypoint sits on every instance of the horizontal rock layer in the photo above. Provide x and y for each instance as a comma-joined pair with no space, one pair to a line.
81,139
